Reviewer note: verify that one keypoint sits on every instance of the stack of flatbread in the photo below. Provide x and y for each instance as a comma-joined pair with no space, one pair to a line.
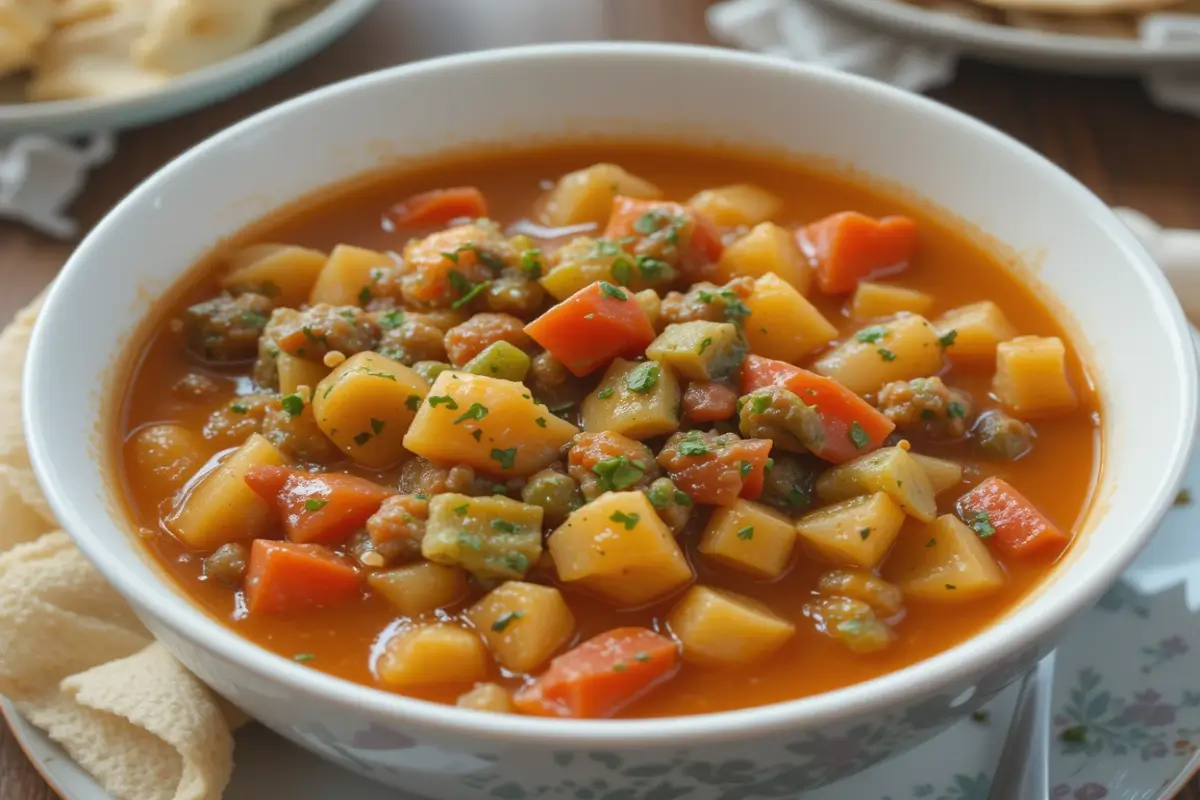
105,48
1110,18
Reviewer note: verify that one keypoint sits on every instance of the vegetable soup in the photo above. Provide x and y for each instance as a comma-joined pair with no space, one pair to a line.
607,430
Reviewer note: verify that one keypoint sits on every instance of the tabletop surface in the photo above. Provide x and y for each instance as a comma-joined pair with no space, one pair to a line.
1103,131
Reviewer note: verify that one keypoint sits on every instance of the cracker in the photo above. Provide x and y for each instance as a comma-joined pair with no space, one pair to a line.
23,507
185,35
14,343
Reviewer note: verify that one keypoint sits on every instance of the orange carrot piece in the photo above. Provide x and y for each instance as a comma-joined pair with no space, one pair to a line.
721,476
285,577
852,425
699,239
601,676
592,327
709,401
1003,516
705,242
438,207
754,452
848,247
325,509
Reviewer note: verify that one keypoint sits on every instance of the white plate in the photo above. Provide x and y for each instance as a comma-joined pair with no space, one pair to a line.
1017,45
295,36
1127,671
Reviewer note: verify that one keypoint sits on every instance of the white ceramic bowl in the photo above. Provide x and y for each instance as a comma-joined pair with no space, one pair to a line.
1136,339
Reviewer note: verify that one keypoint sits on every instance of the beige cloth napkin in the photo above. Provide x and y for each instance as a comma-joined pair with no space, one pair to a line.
74,659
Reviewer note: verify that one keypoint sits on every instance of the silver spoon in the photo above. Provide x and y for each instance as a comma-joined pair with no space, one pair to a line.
1024,769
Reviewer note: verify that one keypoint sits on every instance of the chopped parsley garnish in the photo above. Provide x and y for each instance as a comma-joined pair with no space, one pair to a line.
628,520
604,247
413,402
928,414
745,467
872,334
622,271
385,375
443,400
1183,498
885,354
864,533
470,294
650,222
981,523
504,526
746,533
607,288
798,497
471,540
531,262
314,504
643,378
254,319
462,510
951,587
980,716
302,657
643,657
452,257
517,562
947,338
362,438
293,404
617,473
693,445
506,619
735,309
706,297
376,426
858,436
1076,734
955,411
931,543
705,343
652,269
239,408
620,666
365,296
313,337
541,422
604,393
759,403
499,488
477,411
477,435
391,320
505,458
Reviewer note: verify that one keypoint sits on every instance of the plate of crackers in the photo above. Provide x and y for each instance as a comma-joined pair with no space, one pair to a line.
76,66
1110,36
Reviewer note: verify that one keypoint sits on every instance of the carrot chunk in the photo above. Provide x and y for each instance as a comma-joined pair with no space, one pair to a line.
852,425
698,239
1000,514
592,327
713,471
325,509
601,676
285,577
848,247
438,207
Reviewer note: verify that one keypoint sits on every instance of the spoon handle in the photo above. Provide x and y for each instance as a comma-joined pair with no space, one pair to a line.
1024,769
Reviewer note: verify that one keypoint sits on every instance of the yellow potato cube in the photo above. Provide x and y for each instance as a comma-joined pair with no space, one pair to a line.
892,470
942,474
737,204
974,330
517,437
487,697
634,399
750,537
651,303
766,250
348,277
782,324
904,348
586,195
296,372
944,561
493,538
365,406
416,589
523,624
719,628
857,532
222,508
619,548
284,273
421,655
1031,376
699,350
874,300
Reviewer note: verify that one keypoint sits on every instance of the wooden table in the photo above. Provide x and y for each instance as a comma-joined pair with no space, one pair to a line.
1105,132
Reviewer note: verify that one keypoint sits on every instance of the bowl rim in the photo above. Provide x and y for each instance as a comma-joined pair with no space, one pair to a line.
967,660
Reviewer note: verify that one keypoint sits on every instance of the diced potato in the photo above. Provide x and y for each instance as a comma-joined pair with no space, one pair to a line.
296,372
222,508
907,347
580,264
942,474
282,272
517,436
874,300
416,589
619,548
523,624
766,250
422,655
857,532
750,537
586,195
720,628
487,697
782,324
974,330
737,204
349,276
699,351
1031,376
945,561
493,538
852,621
365,406
860,584
651,303
500,360
891,470
164,457
638,400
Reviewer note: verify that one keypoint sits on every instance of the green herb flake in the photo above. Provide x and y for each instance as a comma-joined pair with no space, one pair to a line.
475,290
541,422
622,271
705,297
504,526
745,468
759,403
365,296
391,320
413,403
928,414
617,473
604,393
1183,498
477,435
505,458
885,354
682,498
980,716
693,445
947,338
872,334
531,262
315,504
931,543
735,309
293,404
628,520
858,436
362,438
477,411
304,657
705,343
387,376
746,533
653,270
462,510
650,222
376,426
608,289
643,378
451,256
517,562
506,619
620,666
1076,734
443,400
864,533
981,523
950,587
955,411
642,657
239,408
471,540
